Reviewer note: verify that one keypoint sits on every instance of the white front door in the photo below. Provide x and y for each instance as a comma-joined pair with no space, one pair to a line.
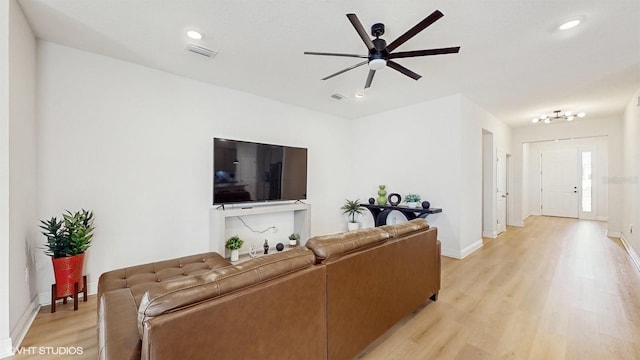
501,193
560,183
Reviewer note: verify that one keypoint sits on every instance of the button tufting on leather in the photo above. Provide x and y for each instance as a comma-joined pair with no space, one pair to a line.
179,265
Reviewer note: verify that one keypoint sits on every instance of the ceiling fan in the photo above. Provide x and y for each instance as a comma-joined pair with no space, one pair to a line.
381,54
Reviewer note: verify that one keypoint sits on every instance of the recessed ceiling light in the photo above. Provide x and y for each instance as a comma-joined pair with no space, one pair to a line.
569,24
359,94
194,34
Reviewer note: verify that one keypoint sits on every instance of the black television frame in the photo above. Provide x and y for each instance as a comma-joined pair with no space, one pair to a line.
284,175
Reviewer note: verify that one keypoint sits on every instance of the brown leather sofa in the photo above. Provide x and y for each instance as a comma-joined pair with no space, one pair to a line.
328,300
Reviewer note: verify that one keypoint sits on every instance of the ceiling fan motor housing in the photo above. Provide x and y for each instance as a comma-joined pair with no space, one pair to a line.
377,30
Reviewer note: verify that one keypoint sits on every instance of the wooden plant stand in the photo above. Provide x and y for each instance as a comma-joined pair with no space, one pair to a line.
74,295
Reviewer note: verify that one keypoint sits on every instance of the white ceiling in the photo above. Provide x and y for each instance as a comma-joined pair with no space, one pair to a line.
513,62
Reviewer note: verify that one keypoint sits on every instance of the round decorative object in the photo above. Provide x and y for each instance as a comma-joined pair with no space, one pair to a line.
394,199
372,201
382,195
426,204
279,246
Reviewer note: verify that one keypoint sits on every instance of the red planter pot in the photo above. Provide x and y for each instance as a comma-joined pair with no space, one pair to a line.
68,271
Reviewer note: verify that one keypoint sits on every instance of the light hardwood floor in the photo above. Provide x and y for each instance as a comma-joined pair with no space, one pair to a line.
555,289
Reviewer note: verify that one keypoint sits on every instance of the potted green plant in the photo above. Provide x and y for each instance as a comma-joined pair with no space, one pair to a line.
234,244
412,200
351,208
67,241
293,239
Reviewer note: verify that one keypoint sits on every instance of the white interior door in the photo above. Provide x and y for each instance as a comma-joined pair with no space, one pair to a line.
560,183
501,193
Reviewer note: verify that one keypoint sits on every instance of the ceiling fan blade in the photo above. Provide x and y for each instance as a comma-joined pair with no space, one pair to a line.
406,54
361,31
402,69
335,54
369,78
345,70
415,30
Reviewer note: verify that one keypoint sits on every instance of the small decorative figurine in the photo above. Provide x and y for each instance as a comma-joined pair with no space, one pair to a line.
280,246
266,246
252,251
372,201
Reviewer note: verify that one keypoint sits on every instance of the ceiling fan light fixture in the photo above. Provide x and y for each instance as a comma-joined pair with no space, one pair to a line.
535,120
547,121
582,114
569,118
377,64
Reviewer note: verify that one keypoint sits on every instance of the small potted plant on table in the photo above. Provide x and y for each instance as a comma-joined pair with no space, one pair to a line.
67,241
351,208
293,239
412,200
234,244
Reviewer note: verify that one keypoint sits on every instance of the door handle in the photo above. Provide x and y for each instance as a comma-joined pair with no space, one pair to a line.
504,196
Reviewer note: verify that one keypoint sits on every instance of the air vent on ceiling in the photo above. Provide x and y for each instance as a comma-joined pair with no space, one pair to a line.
201,50
337,96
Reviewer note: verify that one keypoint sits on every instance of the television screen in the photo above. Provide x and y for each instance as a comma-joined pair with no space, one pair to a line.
247,172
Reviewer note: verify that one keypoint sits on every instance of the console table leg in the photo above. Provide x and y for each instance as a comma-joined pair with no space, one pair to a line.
434,297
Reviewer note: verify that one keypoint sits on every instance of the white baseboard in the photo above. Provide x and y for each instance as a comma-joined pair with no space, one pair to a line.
632,253
490,234
6,348
451,253
25,322
614,234
45,297
461,254
471,248
602,218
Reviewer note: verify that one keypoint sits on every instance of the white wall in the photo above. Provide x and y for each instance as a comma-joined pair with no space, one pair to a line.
17,174
433,149
22,173
631,179
582,128
480,164
5,340
135,145
599,176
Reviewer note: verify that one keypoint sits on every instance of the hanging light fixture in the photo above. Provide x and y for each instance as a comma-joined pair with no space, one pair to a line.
558,115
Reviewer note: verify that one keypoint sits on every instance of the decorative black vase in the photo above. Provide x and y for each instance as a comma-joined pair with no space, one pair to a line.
426,204
394,199
266,246
372,201
279,246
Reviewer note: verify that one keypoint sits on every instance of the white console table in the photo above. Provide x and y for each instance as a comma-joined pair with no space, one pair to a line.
218,220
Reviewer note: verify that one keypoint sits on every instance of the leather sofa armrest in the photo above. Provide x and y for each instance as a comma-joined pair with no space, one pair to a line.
117,326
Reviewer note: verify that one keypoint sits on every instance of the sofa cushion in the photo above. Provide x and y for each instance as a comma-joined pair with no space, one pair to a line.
138,278
327,246
172,295
398,230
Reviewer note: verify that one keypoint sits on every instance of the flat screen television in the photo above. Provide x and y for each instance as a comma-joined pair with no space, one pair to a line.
253,172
